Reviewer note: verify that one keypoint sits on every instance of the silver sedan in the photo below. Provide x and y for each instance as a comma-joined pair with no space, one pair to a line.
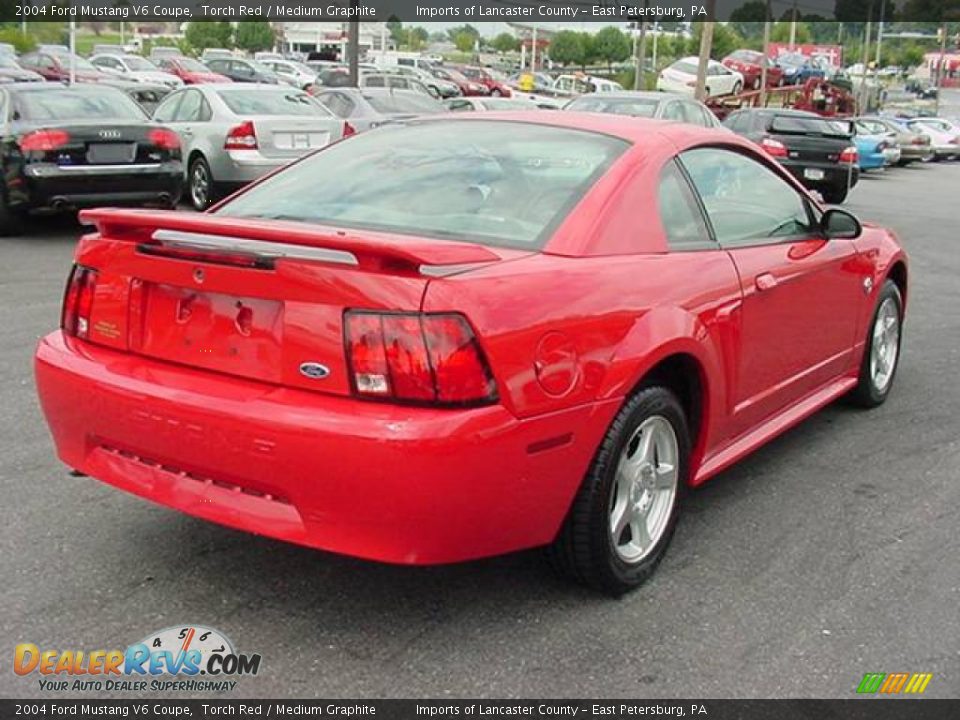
233,133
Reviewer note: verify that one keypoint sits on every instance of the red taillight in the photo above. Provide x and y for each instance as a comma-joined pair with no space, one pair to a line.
416,357
774,148
44,140
241,137
78,301
348,129
164,139
849,156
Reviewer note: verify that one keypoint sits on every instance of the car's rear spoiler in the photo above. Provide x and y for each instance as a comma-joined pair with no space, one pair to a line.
371,250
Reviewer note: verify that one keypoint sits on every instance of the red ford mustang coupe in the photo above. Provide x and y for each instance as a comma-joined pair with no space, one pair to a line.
451,338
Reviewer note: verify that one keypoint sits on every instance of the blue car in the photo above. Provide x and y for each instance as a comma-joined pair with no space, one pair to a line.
870,151
797,68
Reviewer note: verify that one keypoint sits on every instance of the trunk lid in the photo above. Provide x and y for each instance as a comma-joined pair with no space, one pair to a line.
96,143
258,299
290,136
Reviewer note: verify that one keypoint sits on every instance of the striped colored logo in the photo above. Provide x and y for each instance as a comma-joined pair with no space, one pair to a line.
894,683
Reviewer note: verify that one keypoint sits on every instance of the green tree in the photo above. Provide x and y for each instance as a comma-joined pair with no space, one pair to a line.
415,38
505,42
747,19
22,43
725,40
610,45
570,48
203,34
254,36
464,41
781,32
468,29
395,28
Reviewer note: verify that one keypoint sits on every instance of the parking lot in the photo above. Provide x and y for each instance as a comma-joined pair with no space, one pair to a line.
830,553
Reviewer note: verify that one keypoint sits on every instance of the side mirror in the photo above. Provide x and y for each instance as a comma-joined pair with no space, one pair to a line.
840,225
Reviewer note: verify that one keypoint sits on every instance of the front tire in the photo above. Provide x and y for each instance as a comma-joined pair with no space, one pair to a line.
737,87
624,515
495,93
881,356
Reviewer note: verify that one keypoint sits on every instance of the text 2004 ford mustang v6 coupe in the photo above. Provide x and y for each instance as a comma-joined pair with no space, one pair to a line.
451,338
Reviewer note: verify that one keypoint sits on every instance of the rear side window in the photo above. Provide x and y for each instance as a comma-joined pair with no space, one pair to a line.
493,182
680,214
337,103
265,101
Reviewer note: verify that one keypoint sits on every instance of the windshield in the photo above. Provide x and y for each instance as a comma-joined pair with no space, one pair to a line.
810,125
635,107
404,103
139,64
7,61
191,65
494,181
71,103
747,56
269,101
79,62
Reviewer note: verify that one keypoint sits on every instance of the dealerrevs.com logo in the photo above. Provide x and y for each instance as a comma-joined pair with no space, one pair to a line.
185,658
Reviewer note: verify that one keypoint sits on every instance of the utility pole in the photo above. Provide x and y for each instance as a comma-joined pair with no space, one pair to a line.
639,76
353,49
656,35
73,52
793,25
864,90
940,67
706,43
766,56
883,5
533,51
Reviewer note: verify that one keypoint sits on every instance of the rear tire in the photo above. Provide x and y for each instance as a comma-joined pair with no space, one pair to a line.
835,197
623,516
495,93
881,356
11,221
200,184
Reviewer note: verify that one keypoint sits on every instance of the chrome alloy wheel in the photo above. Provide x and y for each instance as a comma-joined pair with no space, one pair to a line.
199,185
644,490
885,345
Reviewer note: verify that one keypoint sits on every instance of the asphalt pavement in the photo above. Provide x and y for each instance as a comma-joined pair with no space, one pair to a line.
832,552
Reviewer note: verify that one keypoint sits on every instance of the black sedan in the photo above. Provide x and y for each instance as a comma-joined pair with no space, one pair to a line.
819,152
65,147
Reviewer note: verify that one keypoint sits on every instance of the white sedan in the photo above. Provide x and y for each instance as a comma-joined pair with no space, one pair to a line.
681,77
944,136
135,68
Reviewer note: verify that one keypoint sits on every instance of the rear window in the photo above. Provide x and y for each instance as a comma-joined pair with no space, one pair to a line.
267,101
493,182
684,67
810,125
67,104
635,107
390,103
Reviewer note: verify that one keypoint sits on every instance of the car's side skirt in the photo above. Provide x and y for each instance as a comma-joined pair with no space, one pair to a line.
770,428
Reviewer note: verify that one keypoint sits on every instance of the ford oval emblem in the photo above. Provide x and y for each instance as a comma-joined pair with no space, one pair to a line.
314,371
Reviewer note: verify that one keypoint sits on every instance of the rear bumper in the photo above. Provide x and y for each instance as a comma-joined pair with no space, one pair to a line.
240,167
395,484
834,176
49,185
915,152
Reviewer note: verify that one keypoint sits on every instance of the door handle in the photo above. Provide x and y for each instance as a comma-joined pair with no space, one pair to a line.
765,281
